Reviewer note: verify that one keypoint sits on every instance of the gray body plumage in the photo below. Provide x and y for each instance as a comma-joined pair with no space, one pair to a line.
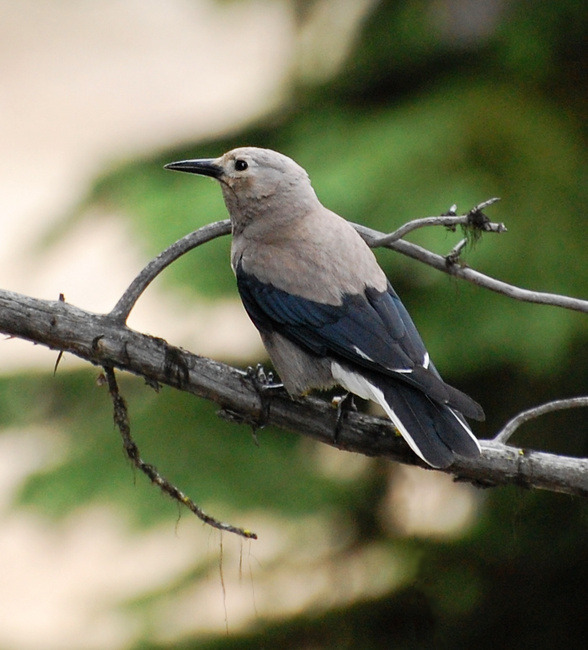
324,308
321,265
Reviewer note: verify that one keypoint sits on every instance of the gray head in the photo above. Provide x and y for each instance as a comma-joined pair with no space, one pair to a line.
257,184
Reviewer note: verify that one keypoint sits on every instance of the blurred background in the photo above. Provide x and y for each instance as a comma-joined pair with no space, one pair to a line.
397,110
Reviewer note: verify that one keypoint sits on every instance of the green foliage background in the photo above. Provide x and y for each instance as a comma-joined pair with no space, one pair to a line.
417,119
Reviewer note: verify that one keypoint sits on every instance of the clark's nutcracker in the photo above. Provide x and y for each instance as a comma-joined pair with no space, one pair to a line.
326,313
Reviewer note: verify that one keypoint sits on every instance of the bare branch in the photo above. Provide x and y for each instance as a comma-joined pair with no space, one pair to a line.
520,419
123,307
474,219
471,219
121,419
470,275
101,341
453,256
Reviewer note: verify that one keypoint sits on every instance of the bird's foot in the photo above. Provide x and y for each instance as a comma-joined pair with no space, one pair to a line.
262,380
263,383
343,404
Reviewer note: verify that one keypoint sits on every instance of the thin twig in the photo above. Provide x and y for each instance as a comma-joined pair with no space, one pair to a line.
121,419
557,405
453,256
123,307
448,221
475,277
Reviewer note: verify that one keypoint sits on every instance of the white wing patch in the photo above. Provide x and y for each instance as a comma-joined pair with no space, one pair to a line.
363,355
405,371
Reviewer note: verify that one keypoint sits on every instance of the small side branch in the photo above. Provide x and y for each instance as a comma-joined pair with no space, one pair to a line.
471,275
520,419
123,307
474,221
475,218
121,419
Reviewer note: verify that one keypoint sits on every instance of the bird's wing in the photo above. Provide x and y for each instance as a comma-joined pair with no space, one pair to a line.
372,330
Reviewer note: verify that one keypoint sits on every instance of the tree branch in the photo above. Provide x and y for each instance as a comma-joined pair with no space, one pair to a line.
448,264
121,419
122,309
471,275
105,342
557,405
474,219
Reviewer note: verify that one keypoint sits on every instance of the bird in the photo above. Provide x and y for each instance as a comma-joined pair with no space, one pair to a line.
326,312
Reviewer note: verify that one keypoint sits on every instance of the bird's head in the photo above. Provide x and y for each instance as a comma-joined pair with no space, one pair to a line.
255,182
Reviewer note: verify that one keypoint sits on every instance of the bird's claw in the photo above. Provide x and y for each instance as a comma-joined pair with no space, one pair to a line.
260,379
343,404
262,383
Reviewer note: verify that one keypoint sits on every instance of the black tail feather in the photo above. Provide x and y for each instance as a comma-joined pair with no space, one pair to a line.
437,431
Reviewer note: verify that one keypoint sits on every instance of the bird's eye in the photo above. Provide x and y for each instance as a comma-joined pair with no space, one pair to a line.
241,165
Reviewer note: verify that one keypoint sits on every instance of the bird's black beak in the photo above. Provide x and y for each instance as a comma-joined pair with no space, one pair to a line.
204,167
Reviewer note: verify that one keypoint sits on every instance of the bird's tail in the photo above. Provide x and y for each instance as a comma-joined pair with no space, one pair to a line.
434,431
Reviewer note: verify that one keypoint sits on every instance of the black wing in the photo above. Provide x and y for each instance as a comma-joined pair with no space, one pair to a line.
372,330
